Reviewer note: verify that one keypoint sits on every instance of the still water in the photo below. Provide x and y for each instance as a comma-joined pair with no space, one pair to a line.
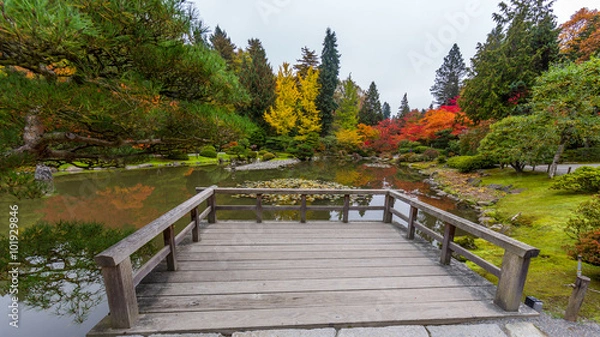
120,198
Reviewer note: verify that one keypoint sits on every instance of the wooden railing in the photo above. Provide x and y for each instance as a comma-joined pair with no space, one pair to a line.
120,280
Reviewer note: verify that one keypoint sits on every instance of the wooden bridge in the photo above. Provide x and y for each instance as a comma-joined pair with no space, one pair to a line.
236,276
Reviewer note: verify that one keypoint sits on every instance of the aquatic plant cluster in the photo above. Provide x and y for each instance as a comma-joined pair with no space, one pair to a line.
292,199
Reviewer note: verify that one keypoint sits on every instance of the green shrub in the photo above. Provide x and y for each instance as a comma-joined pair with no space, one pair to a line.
442,159
431,154
208,153
251,154
588,246
466,164
585,219
268,156
262,152
208,148
421,149
177,155
411,158
303,151
582,155
584,180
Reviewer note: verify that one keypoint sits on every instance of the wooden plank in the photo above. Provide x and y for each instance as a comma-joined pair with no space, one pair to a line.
299,264
293,248
113,255
516,247
252,287
298,225
337,317
308,191
154,261
186,256
446,254
242,240
293,230
487,266
302,300
183,275
251,234
169,240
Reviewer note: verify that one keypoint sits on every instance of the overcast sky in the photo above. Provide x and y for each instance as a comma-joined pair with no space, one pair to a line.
398,44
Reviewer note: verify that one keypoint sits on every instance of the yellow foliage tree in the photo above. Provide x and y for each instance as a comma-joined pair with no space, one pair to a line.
283,116
308,118
349,139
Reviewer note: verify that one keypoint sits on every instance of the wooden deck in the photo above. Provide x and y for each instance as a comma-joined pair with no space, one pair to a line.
273,275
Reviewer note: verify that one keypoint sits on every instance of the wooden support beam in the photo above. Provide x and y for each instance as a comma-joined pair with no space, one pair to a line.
389,205
169,238
446,255
196,229
512,281
303,209
211,202
120,292
577,297
412,218
259,208
346,209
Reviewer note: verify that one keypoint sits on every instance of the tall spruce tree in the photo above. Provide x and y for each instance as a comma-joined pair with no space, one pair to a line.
449,77
328,80
387,110
522,46
257,77
223,45
404,107
371,113
308,60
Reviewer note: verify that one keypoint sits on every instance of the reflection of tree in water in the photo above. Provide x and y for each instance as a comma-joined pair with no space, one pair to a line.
57,269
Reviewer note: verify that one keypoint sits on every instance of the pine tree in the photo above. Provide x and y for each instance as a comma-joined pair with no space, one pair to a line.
404,107
449,77
387,110
522,46
309,59
256,75
328,80
223,45
371,113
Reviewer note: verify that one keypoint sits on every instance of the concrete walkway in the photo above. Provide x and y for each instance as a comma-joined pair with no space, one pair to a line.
562,168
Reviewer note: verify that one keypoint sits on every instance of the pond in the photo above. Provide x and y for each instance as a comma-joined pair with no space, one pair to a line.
121,198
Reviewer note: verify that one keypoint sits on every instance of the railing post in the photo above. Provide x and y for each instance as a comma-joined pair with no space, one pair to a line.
303,209
169,238
412,217
259,208
346,210
446,255
212,203
577,297
196,229
389,205
511,281
120,292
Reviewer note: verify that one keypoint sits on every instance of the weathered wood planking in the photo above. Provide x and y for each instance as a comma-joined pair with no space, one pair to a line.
204,248
304,300
334,316
372,254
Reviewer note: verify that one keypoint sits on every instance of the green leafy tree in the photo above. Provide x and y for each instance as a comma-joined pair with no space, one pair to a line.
328,80
100,83
346,116
223,45
519,140
309,59
569,96
386,110
404,107
449,77
257,77
371,113
522,46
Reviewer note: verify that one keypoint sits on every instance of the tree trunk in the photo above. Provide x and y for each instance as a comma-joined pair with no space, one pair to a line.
554,165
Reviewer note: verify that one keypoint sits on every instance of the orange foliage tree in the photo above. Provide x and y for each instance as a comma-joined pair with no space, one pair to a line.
433,122
580,36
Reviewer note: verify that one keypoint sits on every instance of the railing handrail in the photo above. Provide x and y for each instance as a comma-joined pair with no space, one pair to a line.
243,190
123,249
503,241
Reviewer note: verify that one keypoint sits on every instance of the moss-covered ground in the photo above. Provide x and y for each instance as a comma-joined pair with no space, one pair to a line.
543,215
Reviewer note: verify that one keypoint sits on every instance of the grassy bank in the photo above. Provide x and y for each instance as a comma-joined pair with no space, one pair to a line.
544,213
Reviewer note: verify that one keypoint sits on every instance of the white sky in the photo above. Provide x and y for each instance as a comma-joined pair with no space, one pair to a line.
398,44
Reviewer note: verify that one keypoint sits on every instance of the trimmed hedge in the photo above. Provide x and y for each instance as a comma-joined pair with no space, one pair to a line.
466,164
268,156
208,153
585,179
